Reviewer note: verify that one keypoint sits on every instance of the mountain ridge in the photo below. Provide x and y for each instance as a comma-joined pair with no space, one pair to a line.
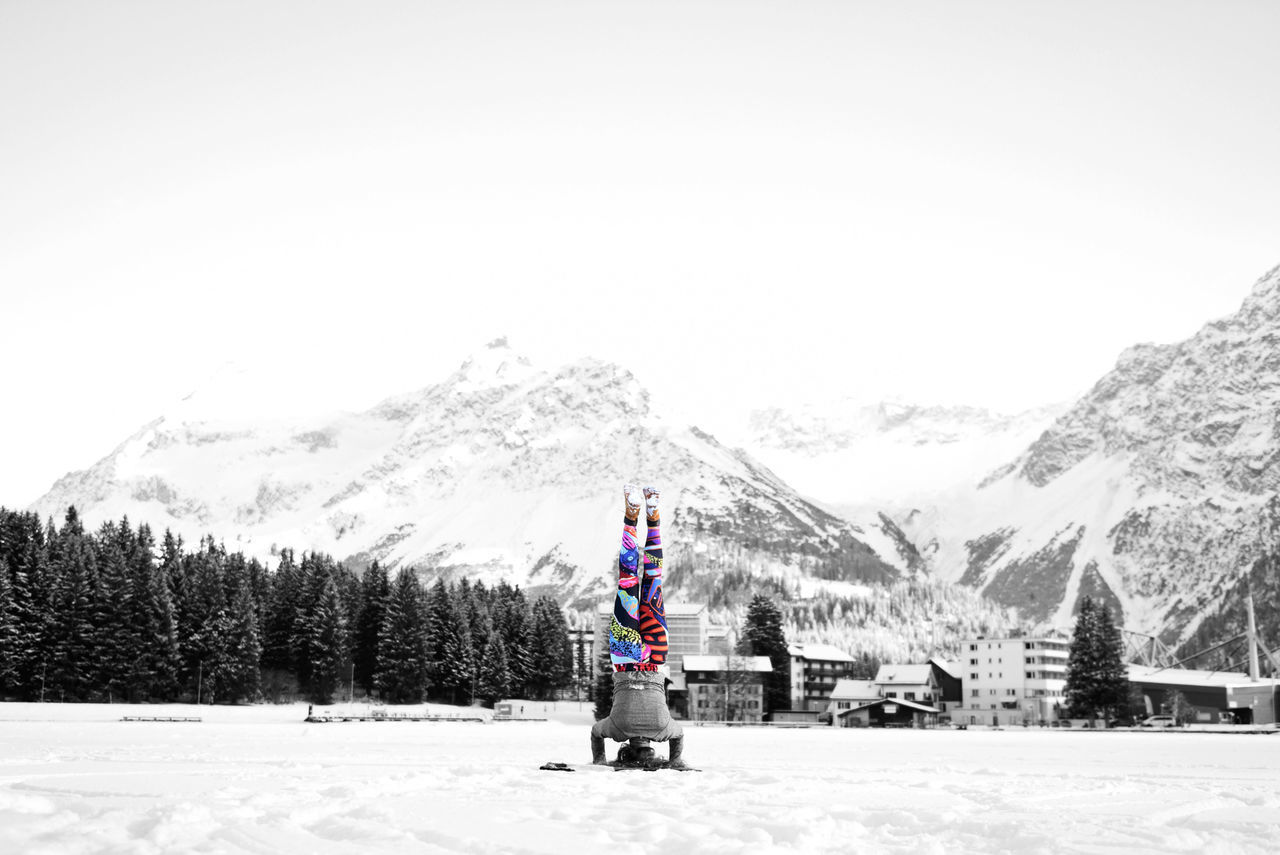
503,470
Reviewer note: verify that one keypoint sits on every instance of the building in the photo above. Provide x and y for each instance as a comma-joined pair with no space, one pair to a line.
725,688
900,696
1217,696
888,712
719,641
583,642
950,681
850,694
815,671
1012,680
908,683
688,631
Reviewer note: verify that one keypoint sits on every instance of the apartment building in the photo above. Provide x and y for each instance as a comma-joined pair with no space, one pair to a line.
1009,681
725,688
815,671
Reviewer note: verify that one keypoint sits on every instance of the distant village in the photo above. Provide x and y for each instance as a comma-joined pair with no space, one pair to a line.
996,682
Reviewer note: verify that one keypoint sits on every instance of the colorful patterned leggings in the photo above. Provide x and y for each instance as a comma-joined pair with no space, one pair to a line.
638,631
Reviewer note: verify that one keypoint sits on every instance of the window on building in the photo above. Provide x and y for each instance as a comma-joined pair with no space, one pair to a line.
908,696
991,691
1011,692
973,647
973,661
891,694
976,694
973,676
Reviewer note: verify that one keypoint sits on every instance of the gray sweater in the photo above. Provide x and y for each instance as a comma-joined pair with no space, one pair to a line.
639,709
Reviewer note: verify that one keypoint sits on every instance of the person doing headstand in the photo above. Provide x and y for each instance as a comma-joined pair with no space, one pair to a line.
638,640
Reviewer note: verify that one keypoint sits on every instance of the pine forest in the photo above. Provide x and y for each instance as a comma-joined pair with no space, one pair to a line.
112,615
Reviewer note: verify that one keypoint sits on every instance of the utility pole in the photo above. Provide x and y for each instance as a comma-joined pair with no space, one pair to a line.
1255,672
199,682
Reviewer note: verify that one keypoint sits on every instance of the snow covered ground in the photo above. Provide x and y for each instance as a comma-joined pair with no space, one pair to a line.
76,779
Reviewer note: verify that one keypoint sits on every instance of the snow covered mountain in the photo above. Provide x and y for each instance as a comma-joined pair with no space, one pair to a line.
503,470
875,464
888,454
1152,492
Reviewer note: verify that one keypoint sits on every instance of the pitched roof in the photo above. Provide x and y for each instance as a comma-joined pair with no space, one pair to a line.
915,705
819,653
891,674
854,690
952,669
757,664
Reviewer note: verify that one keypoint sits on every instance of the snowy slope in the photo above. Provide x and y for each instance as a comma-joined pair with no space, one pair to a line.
503,470
1151,492
874,464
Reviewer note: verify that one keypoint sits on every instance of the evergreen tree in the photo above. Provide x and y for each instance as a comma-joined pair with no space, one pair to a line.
550,652
116,641
173,573
238,677
1083,663
512,618
151,670
762,635
468,600
375,589
865,668
24,559
161,661
453,663
402,643
9,640
1179,707
493,678
603,686
202,642
325,644
283,602
1113,676
72,630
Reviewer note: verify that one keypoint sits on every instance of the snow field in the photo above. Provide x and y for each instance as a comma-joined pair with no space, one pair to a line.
75,779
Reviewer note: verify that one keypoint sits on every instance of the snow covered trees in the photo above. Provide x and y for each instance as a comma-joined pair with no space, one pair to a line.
762,635
398,658
1097,681
110,616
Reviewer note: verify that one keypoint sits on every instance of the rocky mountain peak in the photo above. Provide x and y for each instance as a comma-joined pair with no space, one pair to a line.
495,365
1149,490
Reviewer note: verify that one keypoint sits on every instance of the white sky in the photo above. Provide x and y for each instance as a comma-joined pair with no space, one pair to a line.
748,203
